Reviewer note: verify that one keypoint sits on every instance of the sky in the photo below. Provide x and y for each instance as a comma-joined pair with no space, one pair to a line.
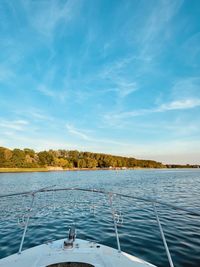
117,77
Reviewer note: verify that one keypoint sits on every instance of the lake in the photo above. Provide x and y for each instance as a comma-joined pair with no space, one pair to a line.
139,233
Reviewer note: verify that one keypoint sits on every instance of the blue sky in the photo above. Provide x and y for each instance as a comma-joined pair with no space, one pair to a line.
119,77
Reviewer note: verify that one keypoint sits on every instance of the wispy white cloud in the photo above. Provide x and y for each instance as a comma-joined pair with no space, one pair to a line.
122,88
17,125
125,88
161,15
155,28
46,16
114,74
148,39
84,135
39,115
115,68
74,131
46,91
35,114
181,104
57,94
186,87
49,87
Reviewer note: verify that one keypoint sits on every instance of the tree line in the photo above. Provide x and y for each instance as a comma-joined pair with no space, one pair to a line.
28,158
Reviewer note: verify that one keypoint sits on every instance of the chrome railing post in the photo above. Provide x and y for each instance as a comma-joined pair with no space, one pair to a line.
163,236
114,221
26,224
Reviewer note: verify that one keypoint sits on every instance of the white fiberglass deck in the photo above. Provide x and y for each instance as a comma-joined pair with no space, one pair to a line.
82,252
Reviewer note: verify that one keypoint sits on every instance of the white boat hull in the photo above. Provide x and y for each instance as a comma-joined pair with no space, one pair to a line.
82,252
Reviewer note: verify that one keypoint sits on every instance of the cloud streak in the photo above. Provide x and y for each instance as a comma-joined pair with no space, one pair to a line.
156,28
17,125
86,137
175,105
179,104
50,14
72,130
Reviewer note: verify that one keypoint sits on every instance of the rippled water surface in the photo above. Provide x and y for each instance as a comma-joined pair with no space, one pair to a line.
53,213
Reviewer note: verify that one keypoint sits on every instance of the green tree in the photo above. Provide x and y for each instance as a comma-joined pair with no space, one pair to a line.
2,157
82,163
18,158
91,163
60,162
46,158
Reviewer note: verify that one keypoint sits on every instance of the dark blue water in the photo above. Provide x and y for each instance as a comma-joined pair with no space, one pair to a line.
139,233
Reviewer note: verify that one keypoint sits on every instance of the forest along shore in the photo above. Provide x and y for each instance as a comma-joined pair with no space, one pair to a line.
27,160
68,159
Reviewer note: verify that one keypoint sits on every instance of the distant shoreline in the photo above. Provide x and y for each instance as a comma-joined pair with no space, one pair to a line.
27,160
57,169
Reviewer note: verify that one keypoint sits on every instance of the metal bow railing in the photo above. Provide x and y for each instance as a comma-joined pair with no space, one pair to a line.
115,216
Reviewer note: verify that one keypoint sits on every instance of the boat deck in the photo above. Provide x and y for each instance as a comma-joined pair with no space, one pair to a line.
54,254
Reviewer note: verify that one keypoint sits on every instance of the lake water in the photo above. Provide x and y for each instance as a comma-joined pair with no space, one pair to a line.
139,233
